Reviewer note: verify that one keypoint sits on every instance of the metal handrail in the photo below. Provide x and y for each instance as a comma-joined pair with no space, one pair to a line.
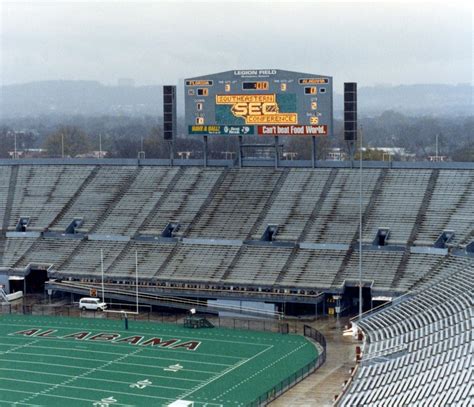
180,300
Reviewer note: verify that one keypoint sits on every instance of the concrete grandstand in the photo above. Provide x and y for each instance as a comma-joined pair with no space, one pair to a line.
207,228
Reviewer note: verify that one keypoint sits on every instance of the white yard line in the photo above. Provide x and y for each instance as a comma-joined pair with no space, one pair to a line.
83,388
23,404
52,395
75,349
260,371
51,355
107,361
67,382
207,382
91,401
154,366
25,345
88,378
103,370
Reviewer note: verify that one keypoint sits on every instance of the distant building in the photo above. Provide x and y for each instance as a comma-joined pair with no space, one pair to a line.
437,158
93,154
336,154
184,155
388,153
27,153
290,155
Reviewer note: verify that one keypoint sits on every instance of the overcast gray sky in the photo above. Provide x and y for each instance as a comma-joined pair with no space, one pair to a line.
160,42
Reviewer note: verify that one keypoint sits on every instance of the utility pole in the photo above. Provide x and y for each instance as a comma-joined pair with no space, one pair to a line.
100,145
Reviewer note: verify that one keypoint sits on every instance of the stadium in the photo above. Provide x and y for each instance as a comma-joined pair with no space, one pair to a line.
259,239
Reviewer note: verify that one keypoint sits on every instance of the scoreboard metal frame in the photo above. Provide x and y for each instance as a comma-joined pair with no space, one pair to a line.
265,102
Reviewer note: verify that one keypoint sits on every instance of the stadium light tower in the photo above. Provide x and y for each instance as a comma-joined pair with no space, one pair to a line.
136,279
437,150
360,225
102,272
15,154
100,145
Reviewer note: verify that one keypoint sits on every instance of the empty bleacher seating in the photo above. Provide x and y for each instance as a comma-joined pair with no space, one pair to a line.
149,258
338,218
47,251
218,209
96,197
136,202
294,203
397,204
42,191
258,265
5,174
313,268
419,350
450,207
205,263
378,268
14,248
85,260
183,201
236,205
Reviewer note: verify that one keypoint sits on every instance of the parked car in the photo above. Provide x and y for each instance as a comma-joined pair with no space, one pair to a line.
94,304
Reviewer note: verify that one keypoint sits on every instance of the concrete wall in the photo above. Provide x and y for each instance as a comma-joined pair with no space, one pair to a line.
5,282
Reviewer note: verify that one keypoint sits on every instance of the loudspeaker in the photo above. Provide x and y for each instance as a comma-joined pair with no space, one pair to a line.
169,112
350,111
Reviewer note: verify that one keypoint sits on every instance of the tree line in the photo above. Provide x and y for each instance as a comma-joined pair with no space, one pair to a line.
125,137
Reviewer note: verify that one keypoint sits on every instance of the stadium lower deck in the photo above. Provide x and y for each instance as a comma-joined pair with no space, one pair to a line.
204,228
57,361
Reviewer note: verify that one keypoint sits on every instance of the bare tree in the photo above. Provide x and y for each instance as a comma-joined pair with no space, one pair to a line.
67,141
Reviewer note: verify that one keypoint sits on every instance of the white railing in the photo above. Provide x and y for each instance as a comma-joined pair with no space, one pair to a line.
3,295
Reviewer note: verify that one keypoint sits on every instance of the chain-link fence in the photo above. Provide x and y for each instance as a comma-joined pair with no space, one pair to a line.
68,310
295,378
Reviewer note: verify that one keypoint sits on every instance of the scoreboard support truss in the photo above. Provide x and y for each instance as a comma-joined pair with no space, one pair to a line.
313,152
240,151
205,150
171,151
277,152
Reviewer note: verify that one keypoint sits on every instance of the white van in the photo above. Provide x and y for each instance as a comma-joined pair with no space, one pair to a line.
94,304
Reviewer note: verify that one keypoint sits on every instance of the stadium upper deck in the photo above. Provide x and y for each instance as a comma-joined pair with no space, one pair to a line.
223,215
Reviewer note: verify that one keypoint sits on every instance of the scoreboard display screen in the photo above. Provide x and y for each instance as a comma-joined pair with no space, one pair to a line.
263,85
266,102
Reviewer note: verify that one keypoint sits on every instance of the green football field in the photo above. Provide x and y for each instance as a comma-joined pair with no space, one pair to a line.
59,361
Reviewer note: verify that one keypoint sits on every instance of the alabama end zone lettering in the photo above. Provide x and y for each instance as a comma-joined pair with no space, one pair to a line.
320,130
136,340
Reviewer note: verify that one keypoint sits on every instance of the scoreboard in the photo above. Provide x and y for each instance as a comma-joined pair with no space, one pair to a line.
266,102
